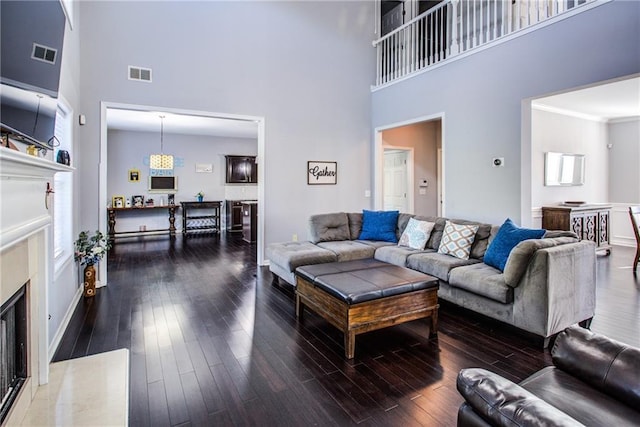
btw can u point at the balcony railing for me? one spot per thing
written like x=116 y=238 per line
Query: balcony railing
x=457 y=26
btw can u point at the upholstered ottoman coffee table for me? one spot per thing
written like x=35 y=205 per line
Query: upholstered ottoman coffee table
x=364 y=295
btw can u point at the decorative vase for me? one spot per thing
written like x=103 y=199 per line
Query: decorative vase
x=200 y=198
x=89 y=280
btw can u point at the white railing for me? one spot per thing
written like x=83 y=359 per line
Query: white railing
x=454 y=27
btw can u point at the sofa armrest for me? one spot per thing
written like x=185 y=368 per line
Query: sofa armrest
x=606 y=364
x=557 y=290
x=501 y=402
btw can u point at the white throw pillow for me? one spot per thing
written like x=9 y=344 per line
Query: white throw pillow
x=457 y=239
x=416 y=234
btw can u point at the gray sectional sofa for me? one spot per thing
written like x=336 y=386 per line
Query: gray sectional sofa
x=547 y=284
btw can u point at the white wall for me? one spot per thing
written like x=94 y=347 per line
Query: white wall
x=481 y=95
x=65 y=284
x=130 y=150
x=424 y=138
x=624 y=158
x=306 y=67
x=624 y=177
x=568 y=134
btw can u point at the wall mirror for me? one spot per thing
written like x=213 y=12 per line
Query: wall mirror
x=563 y=169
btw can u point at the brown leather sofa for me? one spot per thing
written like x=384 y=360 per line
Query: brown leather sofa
x=594 y=381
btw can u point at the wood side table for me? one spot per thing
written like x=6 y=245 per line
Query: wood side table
x=194 y=219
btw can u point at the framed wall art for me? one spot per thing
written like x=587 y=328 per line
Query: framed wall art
x=322 y=173
x=134 y=175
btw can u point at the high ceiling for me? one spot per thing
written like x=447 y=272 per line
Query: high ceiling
x=149 y=121
x=605 y=102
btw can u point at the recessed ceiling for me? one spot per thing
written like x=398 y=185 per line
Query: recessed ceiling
x=609 y=101
x=149 y=121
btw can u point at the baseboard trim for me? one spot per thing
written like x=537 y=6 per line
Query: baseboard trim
x=55 y=342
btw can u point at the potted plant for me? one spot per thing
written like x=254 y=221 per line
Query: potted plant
x=200 y=196
x=89 y=250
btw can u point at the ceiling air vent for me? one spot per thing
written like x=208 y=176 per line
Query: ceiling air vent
x=44 y=53
x=139 y=73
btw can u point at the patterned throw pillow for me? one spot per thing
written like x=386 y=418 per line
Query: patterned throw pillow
x=416 y=234
x=457 y=240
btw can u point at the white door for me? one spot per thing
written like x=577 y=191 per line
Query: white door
x=394 y=187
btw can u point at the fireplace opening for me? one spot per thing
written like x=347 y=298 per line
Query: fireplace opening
x=13 y=349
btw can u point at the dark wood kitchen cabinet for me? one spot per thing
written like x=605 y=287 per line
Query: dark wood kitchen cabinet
x=241 y=170
x=233 y=209
x=249 y=222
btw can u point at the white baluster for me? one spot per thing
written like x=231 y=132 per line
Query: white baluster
x=452 y=28
x=495 y=19
x=481 y=29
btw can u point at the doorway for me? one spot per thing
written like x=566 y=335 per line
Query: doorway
x=104 y=197
x=409 y=160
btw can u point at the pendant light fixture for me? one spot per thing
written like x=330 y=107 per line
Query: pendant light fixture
x=161 y=161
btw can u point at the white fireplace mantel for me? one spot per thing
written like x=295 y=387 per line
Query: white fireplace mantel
x=23 y=186
x=26 y=254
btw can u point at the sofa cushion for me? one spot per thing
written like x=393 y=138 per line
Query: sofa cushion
x=457 y=240
x=329 y=227
x=522 y=253
x=347 y=250
x=396 y=254
x=375 y=243
x=503 y=403
x=609 y=365
x=507 y=238
x=437 y=264
x=416 y=234
x=291 y=255
x=355 y=224
x=482 y=279
x=379 y=225
x=578 y=399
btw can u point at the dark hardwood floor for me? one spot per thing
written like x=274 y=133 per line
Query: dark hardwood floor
x=213 y=342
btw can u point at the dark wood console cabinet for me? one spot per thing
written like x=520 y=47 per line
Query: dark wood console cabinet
x=589 y=222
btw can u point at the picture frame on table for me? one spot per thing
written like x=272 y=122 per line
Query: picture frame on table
x=117 y=202
x=322 y=173
x=137 y=201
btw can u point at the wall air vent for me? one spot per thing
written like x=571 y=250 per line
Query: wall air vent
x=139 y=73
x=44 y=53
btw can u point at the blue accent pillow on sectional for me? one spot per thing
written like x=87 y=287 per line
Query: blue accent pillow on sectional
x=379 y=225
x=507 y=238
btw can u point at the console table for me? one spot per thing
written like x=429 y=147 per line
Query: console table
x=193 y=219
x=589 y=222
x=112 y=212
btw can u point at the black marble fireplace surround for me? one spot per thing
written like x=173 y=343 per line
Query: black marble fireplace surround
x=13 y=349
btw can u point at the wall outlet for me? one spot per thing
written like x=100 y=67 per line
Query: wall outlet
x=367 y=193
x=294 y=237
x=497 y=162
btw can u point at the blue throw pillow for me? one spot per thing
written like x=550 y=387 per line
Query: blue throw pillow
x=507 y=238
x=379 y=225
